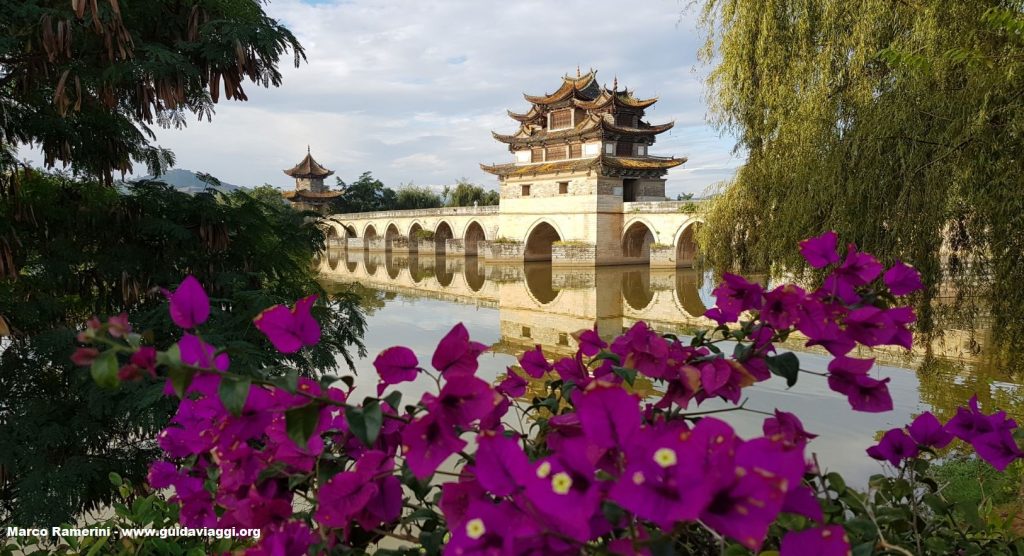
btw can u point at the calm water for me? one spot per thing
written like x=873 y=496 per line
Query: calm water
x=415 y=301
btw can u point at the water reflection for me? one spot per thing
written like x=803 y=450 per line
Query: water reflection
x=514 y=307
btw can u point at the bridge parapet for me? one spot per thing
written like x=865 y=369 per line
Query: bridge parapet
x=418 y=213
x=664 y=207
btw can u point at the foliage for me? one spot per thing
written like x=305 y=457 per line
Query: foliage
x=423 y=235
x=416 y=197
x=366 y=194
x=75 y=71
x=467 y=194
x=73 y=249
x=590 y=470
x=855 y=115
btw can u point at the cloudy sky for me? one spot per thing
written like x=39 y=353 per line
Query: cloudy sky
x=411 y=90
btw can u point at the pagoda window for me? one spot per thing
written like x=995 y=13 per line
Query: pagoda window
x=563 y=188
x=641 y=150
x=624 y=120
x=526 y=190
x=609 y=148
x=557 y=152
x=576 y=150
x=561 y=119
x=624 y=148
x=537 y=154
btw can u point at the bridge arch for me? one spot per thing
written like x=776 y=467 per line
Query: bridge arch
x=389 y=235
x=442 y=233
x=472 y=237
x=637 y=238
x=369 y=232
x=414 y=236
x=539 y=240
x=686 y=244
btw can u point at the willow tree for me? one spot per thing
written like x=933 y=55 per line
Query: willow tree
x=898 y=124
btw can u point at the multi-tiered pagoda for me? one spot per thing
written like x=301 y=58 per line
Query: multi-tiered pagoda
x=310 y=191
x=583 y=127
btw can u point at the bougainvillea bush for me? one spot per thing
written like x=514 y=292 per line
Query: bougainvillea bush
x=595 y=469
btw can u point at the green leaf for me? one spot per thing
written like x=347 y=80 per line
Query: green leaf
x=786 y=365
x=180 y=377
x=629 y=375
x=115 y=479
x=289 y=382
x=394 y=400
x=169 y=358
x=300 y=422
x=365 y=422
x=233 y=392
x=104 y=369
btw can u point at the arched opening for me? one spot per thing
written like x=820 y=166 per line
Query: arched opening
x=539 y=282
x=389 y=236
x=686 y=247
x=637 y=241
x=474 y=235
x=369 y=234
x=441 y=235
x=350 y=231
x=538 y=243
x=636 y=288
x=415 y=232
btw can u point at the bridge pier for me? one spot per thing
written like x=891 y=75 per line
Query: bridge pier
x=375 y=244
x=505 y=251
x=398 y=245
x=454 y=247
x=663 y=256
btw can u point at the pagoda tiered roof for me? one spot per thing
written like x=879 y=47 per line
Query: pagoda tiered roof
x=305 y=194
x=583 y=87
x=308 y=168
x=609 y=165
x=592 y=126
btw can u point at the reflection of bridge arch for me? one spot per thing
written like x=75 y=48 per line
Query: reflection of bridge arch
x=688 y=293
x=474 y=275
x=539 y=283
x=539 y=241
x=444 y=275
x=686 y=244
x=636 y=289
x=473 y=236
x=333 y=257
x=391 y=265
x=637 y=239
x=442 y=233
x=370 y=264
x=350 y=264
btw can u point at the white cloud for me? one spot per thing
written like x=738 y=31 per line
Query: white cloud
x=411 y=90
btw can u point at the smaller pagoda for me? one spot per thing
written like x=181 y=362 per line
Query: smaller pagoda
x=310 y=192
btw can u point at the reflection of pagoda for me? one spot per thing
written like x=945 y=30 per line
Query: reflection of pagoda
x=585 y=127
x=310 y=191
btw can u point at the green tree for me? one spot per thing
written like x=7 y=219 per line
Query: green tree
x=366 y=194
x=416 y=197
x=897 y=124
x=59 y=436
x=466 y=194
x=72 y=71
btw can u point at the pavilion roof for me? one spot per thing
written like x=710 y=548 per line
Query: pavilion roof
x=302 y=194
x=609 y=164
x=308 y=168
x=594 y=125
x=582 y=87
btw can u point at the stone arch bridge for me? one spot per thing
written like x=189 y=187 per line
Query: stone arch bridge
x=659 y=233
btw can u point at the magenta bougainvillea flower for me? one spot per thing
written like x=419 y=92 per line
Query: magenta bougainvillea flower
x=820 y=251
x=534 y=363
x=781 y=306
x=189 y=304
x=456 y=354
x=590 y=342
x=608 y=414
x=829 y=540
x=290 y=329
x=426 y=443
x=902 y=279
x=928 y=431
x=514 y=386
x=894 y=447
x=501 y=465
x=396 y=365
x=787 y=429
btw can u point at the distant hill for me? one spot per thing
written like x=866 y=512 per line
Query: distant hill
x=188 y=182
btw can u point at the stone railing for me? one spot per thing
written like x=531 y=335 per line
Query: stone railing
x=416 y=213
x=664 y=206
